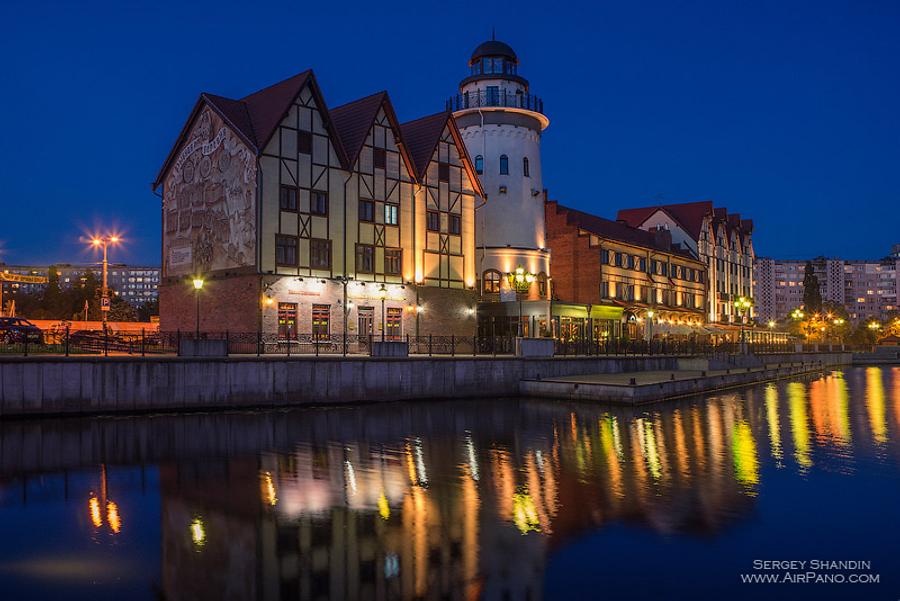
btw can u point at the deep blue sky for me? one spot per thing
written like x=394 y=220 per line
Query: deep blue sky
x=786 y=112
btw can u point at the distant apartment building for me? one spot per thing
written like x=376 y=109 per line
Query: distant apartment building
x=719 y=239
x=867 y=289
x=136 y=284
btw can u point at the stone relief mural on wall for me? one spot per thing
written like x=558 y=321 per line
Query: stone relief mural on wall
x=209 y=208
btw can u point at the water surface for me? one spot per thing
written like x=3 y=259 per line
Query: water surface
x=461 y=500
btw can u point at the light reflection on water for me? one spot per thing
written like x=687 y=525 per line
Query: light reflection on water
x=461 y=500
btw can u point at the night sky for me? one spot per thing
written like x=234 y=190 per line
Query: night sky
x=787 y=112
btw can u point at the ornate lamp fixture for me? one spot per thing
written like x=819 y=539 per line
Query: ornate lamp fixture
x=520 y=280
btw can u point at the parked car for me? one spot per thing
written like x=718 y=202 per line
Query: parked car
x=15 y=330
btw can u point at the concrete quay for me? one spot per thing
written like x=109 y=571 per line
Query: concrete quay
x=639 y=388
x=52 y=386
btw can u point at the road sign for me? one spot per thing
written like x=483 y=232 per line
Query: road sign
x=104 y=304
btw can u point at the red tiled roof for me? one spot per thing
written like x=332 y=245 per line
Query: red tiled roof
x=268 y=106
x=256 y=117
x=234 y=112
x=422 y=136
x=616 y=230
x=354 y=120
x=689 y=215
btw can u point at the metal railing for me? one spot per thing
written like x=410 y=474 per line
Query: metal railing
x=495 y=98
x=67 y=342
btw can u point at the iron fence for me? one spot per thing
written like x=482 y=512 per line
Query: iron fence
x=143 y=343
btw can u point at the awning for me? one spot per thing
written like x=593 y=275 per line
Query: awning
x=606 y=312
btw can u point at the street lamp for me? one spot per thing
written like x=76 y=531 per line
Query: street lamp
x=742 y=304
x=382 y=294
x=650 y=315
x=198 y=285
x=104 y=242
x=520 y=281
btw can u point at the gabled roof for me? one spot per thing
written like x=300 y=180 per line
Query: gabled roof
x=255 y=117
x=689 y=215
x=269 y=106
x=354 y=120
x=616 y=230
x=422 y=136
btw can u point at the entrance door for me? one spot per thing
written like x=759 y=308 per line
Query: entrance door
x=366 y=322
x=394 y=318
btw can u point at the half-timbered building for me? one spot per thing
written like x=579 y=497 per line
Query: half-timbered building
x=305 y=220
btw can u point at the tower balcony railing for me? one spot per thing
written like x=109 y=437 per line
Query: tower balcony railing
x=495 y=98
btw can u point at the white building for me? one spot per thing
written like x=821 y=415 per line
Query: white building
x=501 y=122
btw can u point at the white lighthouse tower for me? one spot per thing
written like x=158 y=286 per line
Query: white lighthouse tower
x=501 y=122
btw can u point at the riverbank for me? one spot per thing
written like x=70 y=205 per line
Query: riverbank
x=649 y=387
x=49 y=386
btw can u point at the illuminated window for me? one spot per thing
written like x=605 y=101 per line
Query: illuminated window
x=321 y=321
x=287 y=321
x=391 y=214
x=491 y=281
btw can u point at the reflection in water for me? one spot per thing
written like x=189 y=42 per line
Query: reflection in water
x=468 y=500
x=796 y=392
x=875 y=403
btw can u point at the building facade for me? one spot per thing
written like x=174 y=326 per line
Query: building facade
x=501 y=122
x=136 y=284
x=721 y=240
x=866 y=289
x=305 y=220
x=635 y=283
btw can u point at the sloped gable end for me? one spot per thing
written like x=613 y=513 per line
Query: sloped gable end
x=209 y=191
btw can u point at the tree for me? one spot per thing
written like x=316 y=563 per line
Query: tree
x=121 y=310
x=812 y=294
x=148 y=309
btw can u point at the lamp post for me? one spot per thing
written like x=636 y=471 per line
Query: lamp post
x=520 y=281
x=198 y=286
x=104 y=242
x=742 y=305
x=382 y=294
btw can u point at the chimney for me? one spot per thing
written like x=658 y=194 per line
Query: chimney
x=662 y=237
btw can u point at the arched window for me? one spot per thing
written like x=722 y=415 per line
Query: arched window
x=491 y=282
x=525 y=170
x=504 y=164
x=479 y=164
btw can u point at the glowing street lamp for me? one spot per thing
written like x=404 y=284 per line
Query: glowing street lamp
x=198 y=286
x=104 y=242
x=382 y=294
x=742 y=304
x=520 y=281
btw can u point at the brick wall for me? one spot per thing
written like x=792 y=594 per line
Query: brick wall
x=227 y=304
x=447 y=311
x=576 y=266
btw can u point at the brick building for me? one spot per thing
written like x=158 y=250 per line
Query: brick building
x=721 y=240
x=624 y=276
x=302 y=219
